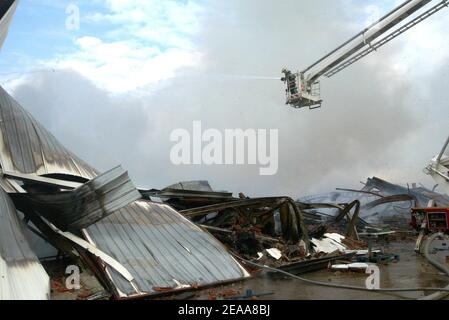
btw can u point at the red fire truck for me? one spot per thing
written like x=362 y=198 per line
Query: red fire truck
x=431 y=219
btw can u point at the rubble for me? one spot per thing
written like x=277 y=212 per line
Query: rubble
x=272 y=231
x=381 y=203
x=330 y=243
x=137 y=244
x=132 y=245
x=188 y=195
x=22 y=276
x=147 y=243
x=82 y=207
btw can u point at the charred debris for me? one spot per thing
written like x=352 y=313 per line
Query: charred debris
x=56 y=210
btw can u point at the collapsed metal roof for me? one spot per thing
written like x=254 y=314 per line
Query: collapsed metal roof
x=151 y=245
x=161 y=249
x=87 y=204
x=22 y=277
x=423 y=195
x=200 y=185
x=138 y=246
x=379 y=199
x=27 y=147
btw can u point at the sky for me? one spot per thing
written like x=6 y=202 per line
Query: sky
x=114 y=89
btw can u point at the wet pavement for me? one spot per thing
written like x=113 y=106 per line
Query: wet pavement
x=412 y=270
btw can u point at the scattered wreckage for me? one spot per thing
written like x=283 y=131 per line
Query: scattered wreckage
x=135 y=247
x=381 y=202
x=52 y=201
x=275 y=231
x=144 y=243
x=135 y=242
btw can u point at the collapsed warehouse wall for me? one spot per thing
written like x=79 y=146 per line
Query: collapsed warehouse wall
x=135 y=247
x=27 y=147
x=162 y=250
x=22 y=276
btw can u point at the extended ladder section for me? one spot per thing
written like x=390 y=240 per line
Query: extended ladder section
x=302 y=86
x=393 y=35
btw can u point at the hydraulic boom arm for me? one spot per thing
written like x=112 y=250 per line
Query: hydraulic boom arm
x=303 y=88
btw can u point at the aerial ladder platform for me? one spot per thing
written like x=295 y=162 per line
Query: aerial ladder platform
x=303 y=88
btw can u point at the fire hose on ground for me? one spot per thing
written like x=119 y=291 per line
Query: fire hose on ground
x=438 y=292
x=436 y=264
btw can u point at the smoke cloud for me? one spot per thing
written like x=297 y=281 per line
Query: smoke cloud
x=378 y=117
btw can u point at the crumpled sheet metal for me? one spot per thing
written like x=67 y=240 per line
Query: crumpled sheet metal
x=422 y=195
x=89 y=203
x=26 y=280
x=22 y=277
x=192 y=186
x=13 y=244
x=377 y=199
x=27 y=147
x=161 y=249
x=330 y=243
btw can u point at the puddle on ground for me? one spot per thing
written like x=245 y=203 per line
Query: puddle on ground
x=411 y=271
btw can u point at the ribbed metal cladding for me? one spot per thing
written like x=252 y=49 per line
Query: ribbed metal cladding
x=27 y=147
x=13 y=245
x=22 y=277
x=89 y=203
x=159 y=246
x=162 y=249
x=192 y=185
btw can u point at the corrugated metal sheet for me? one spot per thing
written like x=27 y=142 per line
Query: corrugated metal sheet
x=25 y=280
x=380 y=211
x=191 y=185
x=158 y=246
x=421 y=194
x=22 y=277
x=162 y=249
x=13 y=246
x=89 y=203
x=7 y=8
x=27 y=147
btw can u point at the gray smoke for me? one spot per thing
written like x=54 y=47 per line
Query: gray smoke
x=372 y=122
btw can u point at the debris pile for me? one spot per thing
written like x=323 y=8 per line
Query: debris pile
x=146 y=243
x=257 y=228
x=135 y=242
x=132 y=245
x=381 y=203
x=274 y=232
x=21 y=273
